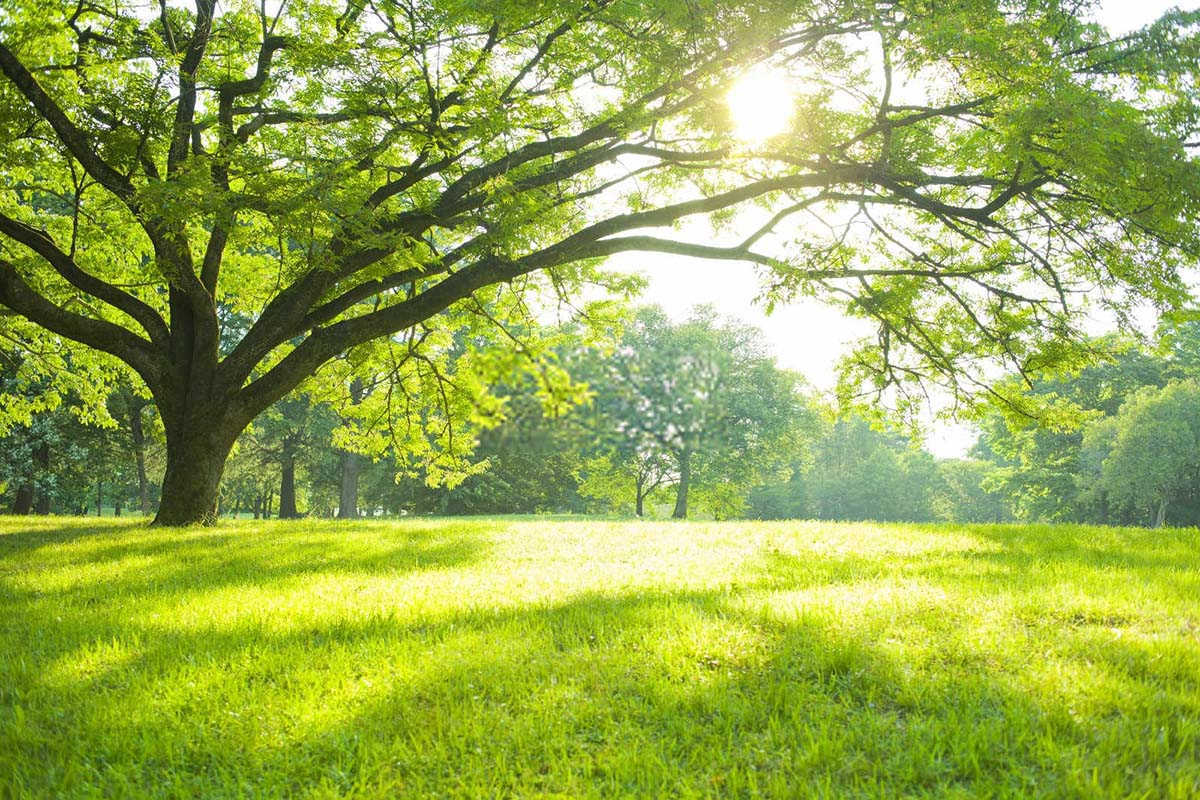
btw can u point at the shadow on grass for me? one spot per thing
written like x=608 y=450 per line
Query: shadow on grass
x=613 y=695
x=104 y=563
x=25 y=534
x=1008 y=556
x=649 y=692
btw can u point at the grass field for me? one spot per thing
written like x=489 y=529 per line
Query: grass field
x=575 y=658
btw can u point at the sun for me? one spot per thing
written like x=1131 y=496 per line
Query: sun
x=761 y=103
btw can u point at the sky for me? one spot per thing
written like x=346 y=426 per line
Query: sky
x=807 y=336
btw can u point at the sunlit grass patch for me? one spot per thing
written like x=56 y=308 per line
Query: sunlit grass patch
x=497 y=657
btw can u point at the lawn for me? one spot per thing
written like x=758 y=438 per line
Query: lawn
x=575 y=658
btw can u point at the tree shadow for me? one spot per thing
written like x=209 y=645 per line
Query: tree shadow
x=644 y=691
x=1094 y=546
x=808 y=710
x=165 y=562
x=25 y=534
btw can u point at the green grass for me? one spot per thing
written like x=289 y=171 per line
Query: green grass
x=510 y=657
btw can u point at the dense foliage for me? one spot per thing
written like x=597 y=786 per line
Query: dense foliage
x=226 y=203
x=697 y=406
x=1128 y=453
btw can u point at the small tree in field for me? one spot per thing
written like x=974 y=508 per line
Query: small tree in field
x=626 y=472
x=286 y=436
x=697 y=404
x=392 y=181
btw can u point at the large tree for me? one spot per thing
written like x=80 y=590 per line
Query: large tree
x=962 y=172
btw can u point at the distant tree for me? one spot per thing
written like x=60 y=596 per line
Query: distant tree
x=964 y=492
x=251 y=485
x=789 y=500
x=1039 y=466
x=532 y=459
x=860 y=472
x=293 y=432
x=131 y=411
x=107 y=465
x=1179 y=347
x=350 y=463
x=626 y=473
x=846 y=467
x=1153 y=444
x=920 y=481
x=26 y=465
x=65 y=445
x=793 y=498
x=701 y=397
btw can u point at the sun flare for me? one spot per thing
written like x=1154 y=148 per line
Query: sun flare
x=761 y=103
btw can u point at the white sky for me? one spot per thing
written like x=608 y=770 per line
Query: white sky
x=808 y=336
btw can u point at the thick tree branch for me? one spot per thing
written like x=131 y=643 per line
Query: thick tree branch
x=138 y=353
x=75 y=140
x=64 y=265
x=185 y=108
x=270 y=45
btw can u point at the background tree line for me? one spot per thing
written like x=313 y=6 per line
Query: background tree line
x=677 y=418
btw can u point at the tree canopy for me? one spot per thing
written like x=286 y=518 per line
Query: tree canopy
x=395 y=187
x=1149 y=453
x=697 y=406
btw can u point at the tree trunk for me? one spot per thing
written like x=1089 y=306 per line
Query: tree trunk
x=639 y=510
x=681 y=491
x=116 y=508
x=348 y=497
x=23 y=501
x=351 y=466
x=99 y=498
x=193 y=477
x=41 y=460
x=138 y=435
x=1161 y=515
x=287 y=488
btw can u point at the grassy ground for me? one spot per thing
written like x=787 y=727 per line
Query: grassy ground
x=496 y=658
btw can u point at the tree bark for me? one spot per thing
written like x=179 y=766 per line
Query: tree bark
x=41 y=461
x=351 y=466
x=138 y=436
x=348 y=496
x=681 y=491
x=195 y=462
x=639 y=510
x=1160 y=515
x=23 y=501
x=287 y=488
x=99 y=498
